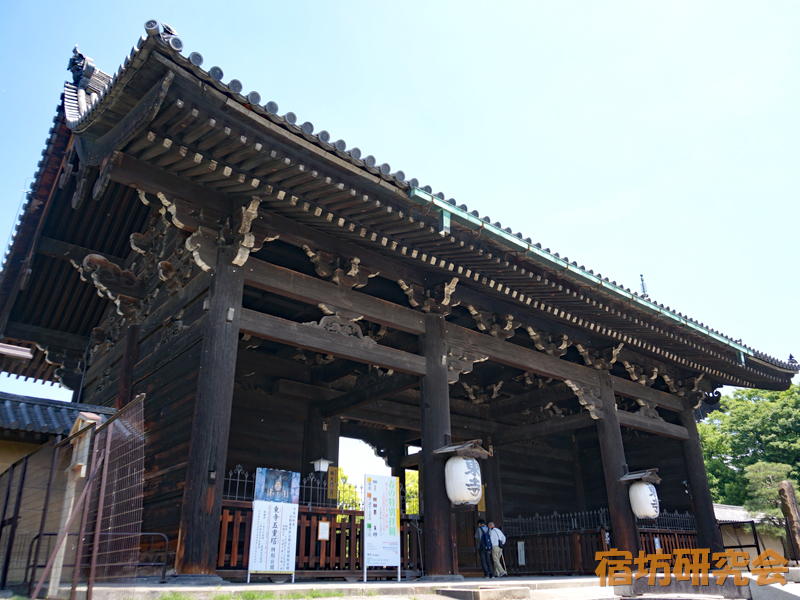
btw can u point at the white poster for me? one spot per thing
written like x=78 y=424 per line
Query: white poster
x=381 y=521
x=273 y=539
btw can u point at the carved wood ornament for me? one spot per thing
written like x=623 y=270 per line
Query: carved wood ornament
x=439 y=300
x=589 y=397
x=347 y=272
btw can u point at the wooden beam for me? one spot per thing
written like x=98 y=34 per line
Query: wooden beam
x=46 y=337
x=17 y=352
x=522 y=433
x=634 y=421
x=299 y=335
x=410 y=460
x=290 y=284
x=540 y=397
x=149 y=178
x=64 y=251
x=369 y=393
x=514 y=355
x=637 y=391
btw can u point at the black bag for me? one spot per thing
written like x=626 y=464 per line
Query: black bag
x=486 y=541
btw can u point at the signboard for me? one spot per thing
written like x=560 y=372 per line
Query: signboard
x=273 y=538
x=381 y=522
x=333 y=483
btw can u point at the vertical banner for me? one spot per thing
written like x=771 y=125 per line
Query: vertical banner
x=381 y=521
x=273 y=537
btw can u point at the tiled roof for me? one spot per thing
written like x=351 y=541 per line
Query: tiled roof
x=99 y=87
x=727 y=513
x=37 y=415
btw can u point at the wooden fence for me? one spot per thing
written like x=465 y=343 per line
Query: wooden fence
x=574 y=552
x=340 y=556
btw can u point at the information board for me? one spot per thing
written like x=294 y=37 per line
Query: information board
x=273 y=539
x=381 y=521
x=273 y=533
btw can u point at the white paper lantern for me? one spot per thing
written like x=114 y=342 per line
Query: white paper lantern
x=644 y=500
x=462 y=480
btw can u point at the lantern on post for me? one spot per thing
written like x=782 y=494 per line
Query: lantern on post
x=462 y=473
x=321 y=465
x=642 y=493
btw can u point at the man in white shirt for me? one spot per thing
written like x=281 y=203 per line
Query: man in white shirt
x=498 y=541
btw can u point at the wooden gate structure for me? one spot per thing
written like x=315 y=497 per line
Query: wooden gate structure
x=271 y=289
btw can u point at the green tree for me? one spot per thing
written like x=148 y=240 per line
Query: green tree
x=762 y=493
x=348 y=493
x=749 y=427
x=412 y=492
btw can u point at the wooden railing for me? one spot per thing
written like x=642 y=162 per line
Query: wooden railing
x=339 y=556
x=555 y=553
x=669 y=540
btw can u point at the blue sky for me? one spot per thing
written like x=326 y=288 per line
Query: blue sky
x=634 y=137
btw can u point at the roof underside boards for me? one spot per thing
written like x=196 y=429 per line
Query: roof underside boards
x=236 y=150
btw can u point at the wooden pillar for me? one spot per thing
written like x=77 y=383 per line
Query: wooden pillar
x=321 y=439
x=494 y=493
x=708 y=533
x=125 y=389
x=435 y=415
x=577 y=474
x=791 y=514
x=198 y=537
x=612 y=452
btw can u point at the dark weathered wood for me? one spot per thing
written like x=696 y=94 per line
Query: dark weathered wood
x=71 y=252
x=577 y=474
x=612 y=452
x=791 y=513
x=435 y=417
x=125 y=387
x=321 y=439
x=368 y=393
x=514 y=355
x=521 y=433
x=275 y=279
x=149 y=178
x=313 y=338
x=634 y=421
x=708 y=534
x=92 y=151
x=534 y=398
x=46 y=337
x=199 y=527
x=493 y=489
x=637 y=391
x=410 y=460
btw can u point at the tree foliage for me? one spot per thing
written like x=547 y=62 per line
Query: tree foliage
x=348 y=493
x=752 y=426
x=762 y=492
x=412 y=492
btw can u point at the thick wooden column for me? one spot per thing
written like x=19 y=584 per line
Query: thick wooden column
x=321 y=439
x=494 y=494
x=577 y=474
x=435 y=416
x=198 y=538
x=708 y=533
x=612 y=452
x=125 y=386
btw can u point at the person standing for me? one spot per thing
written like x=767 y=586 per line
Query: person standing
x=498 y=540
x=483 y=536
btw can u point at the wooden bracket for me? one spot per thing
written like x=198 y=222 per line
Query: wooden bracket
x=603 y=360
x=459 y=360
x=648 y=409
x=69 y=362
x=640 y=374
x=342 y=322
x=589 y=397
x=439 y=300
x=246 y=241
x=499 y=326
x=347 y=272
x=554 y=345
x=123 y=287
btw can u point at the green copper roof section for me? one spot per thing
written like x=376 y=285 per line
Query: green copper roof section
x=550 y=261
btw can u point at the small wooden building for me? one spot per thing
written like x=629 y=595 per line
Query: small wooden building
x=271 y=289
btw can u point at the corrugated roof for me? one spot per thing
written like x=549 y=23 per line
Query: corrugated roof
x=37 y=415
x=727 y=513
